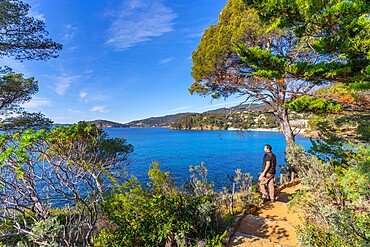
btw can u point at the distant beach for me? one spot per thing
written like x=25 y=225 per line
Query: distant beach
x=258 y=129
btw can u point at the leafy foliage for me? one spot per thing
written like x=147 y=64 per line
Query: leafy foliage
x=337 y=198
x=312 y=104
x=14 y=89
x=161 y=182
x=236 y=23
x=69 y=167
x=334 y=133
x=158 y=215
x=256 y=61
x=334 y=39
x=200 y=186
x=23 y=36
x=45 y=231
x=336 y=34
x=27 y=120
x=163 y=213
x=319 y=50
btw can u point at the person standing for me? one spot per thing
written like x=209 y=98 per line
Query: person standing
x=268 y=174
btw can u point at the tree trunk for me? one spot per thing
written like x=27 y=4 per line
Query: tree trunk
x=98 y=183
x=283 y=119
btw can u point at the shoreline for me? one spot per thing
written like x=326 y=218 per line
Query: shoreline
x=257 y=129
x=302 y=131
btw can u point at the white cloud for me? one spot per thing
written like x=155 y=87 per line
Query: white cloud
x=35 y=14
x=99 y=108
x=36 y=102
x=138 y=21
x=69 y=32
x=166 y=60
x=83 y=94
x=197 y=34
x=64 y=81
x=221 y=105
x=181 y=108
x=88 y=71
x=74 y=111
x=16 y=65
x=72 y=48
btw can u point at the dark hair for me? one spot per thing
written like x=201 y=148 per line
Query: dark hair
x=268 y=147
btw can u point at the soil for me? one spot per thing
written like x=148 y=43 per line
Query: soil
x=272 y=225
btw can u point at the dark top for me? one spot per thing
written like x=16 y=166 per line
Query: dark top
x=272 y=158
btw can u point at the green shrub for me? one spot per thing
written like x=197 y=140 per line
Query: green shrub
x=336 y=198
x=150 y=217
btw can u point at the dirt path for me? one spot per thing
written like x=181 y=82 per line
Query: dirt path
x=272 y=225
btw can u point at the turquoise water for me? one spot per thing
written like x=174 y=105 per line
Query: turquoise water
x=221 y=151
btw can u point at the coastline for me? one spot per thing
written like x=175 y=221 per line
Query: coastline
x=257 y=129
x=302 y=132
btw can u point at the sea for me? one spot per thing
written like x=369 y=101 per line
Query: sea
x=222 y=151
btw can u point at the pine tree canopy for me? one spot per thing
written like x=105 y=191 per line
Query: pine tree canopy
x=22 y=36
x=263 y=48
x=337 y=33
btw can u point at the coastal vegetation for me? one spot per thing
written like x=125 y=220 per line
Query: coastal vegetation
x=305 y=56
x=286 y=62
x=241 y=117
x=245 y=120
x=165 y=213
x=53 y=182
x=236 y=56
x=164 y=121
x=68 y=186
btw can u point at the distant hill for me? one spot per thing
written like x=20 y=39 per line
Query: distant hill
x=243 y=107
x=108 y=124
x=164 y=121
x=167 y=120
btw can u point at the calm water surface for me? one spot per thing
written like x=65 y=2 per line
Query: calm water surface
x=221 y=151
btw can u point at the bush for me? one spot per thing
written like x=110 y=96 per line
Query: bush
x=66 y=168
x=153 y=216
x=336 y=199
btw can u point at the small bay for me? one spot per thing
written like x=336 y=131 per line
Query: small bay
x=222 y=151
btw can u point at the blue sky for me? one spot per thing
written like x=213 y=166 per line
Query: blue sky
x=122 y=60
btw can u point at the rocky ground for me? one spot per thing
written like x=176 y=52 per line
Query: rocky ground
x=271 y=226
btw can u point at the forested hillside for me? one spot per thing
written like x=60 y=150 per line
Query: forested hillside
x=164 y=121
x=239 y=117
x=248 y=119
